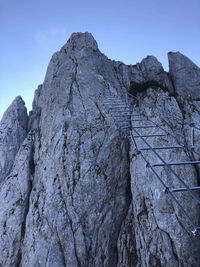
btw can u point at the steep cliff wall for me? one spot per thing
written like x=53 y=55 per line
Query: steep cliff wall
x=76 y=193
x=162 y=231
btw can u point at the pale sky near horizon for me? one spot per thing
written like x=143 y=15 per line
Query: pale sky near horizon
x=128 y=31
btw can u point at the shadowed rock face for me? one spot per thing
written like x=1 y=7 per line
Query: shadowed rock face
x=76 y=194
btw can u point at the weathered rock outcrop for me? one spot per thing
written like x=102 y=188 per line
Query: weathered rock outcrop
x=14 y=195
x=185 y=75
x=13 y=130
x=76 y=193
x=161 y=228
x=81 y=187
x=151 y=69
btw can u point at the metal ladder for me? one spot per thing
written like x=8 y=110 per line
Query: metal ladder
x=121 y=114
x=136 y=134
x=120 y=111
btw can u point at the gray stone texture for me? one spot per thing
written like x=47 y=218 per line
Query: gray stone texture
x=74 y=192
x=13 y=130
x=185 y=75
x=162 y=231
x=81 y=187
x=14 y=196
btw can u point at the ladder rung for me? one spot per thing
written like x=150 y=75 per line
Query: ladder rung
x=120 y=103
x=139 y=120
x=181 y=189
x=120 y=112
x=124 y=121
x=175 y=163
x=160 y=147
x=148 y=126
x=117 y=103
x=150 y=135
x=114 y=104
x=119 y=116
x=114 y=101
x=120 y=108
x=112 y=97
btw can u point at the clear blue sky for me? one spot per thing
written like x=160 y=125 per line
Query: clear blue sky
x=129 y=30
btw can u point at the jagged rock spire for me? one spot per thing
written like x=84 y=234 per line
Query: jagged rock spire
x=79 y=40
x=74 y=178
x=13 y=130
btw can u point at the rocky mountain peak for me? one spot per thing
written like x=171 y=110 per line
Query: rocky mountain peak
x=79 y=40
x=76 y=177
x=16 y=109
x=13 y=130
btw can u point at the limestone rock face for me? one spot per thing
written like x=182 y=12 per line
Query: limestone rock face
x=13 y=130
x=73 y=190
x=152 y=69
x=14 y=195
x=81 y=190
x=161 y=228
x=185 y=75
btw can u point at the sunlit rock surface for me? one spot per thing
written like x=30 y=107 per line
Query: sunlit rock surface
x=162 y=231
x=74 y=190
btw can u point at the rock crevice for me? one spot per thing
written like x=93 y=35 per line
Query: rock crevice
x=73 y=191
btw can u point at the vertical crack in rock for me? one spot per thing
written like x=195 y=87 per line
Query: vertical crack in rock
x=78 y=210
x=14 y=198
x=81 y=177
x=161 y=229
x=127 y=252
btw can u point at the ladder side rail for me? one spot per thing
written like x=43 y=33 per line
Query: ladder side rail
x=174 y=173
x=166 y=188
x=170 y=115
x=172 y=135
